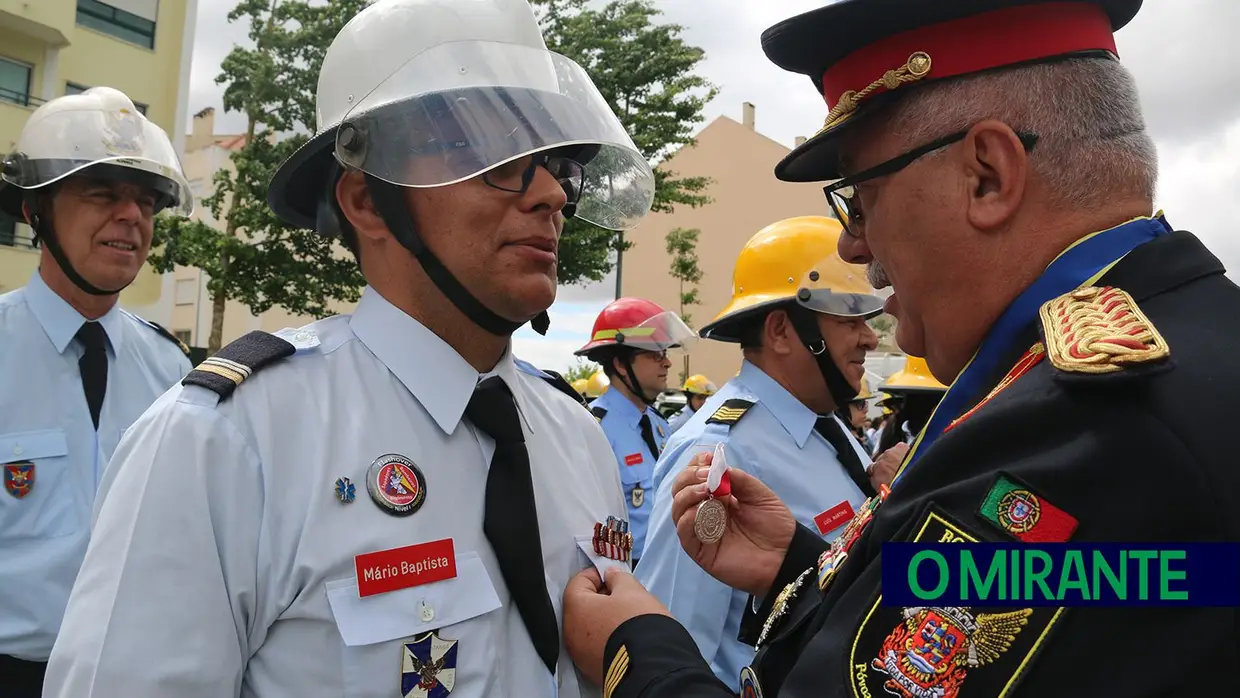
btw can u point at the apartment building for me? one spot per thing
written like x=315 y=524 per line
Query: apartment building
x=50 y=48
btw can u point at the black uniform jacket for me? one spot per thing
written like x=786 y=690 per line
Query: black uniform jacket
x=1143 y=454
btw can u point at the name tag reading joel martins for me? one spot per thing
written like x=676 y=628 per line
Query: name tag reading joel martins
x=410 y=566
x=1061 y=574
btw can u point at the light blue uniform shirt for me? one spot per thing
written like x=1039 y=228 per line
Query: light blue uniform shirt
x=680 y=419
x=775 y=441
x=44 y=420
x=622 y=426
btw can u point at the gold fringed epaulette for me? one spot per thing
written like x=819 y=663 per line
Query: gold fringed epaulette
x=1100 y=330
x=222 y=372
x=730 y=412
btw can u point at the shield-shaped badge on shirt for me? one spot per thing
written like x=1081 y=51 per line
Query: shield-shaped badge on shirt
x=19 y=478
x=428 y=667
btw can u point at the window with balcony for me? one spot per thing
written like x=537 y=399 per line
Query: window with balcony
x=72 y=88
x=127 y=20
x=15 y=82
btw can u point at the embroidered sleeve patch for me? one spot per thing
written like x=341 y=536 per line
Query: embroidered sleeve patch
x=1016 y=510
x=730 y=412
x=615 y=673
x=1099 y=330
x=930 y=651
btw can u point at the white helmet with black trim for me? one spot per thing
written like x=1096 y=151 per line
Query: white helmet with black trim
x=428 y=93
x=99 y=134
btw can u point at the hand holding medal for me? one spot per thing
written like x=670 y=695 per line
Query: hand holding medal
x=729 y=523
x=712 y=515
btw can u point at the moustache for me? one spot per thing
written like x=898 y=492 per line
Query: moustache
x=876 y=275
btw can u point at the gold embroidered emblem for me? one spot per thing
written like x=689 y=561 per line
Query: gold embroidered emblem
x=915 y=68
x=1099 y=330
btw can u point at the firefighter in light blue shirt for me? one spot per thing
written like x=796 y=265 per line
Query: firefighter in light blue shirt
x=800 y=314
x=631 y=340
x=696 y=389
x=88 y=174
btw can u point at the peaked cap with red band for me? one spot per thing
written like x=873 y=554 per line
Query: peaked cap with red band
x=864 y=53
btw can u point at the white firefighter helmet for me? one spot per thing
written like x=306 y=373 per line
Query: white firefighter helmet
x=99 y=129
x=426 y=93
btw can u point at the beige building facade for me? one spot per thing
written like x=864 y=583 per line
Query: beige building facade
x=746 y=197
x=50 y=48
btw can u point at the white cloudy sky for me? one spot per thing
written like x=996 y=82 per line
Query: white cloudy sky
x=1180 y=51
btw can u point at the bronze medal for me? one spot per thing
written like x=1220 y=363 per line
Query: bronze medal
x=711 y=521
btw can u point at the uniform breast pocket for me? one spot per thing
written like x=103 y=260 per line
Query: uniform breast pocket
x=637 y=476
x=39 y=498
x=421 y=641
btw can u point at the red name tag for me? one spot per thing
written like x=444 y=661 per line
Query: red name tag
x=633 y=459
x=410 y=566
x=834 y=517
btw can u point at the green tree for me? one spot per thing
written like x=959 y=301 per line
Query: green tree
x=682 y=246
x=645 y=71
x=256 y=259
x=581 y=369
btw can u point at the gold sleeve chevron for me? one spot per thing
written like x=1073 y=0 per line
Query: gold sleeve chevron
x=615 y=673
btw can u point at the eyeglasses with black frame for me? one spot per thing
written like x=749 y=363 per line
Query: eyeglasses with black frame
x=842 y=193
x=516 y=175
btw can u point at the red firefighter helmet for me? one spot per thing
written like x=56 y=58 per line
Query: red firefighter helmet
x=639 y=324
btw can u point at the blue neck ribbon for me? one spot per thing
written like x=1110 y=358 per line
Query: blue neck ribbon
x=1080 y=265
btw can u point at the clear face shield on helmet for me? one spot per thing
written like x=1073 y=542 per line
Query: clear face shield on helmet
x=835 y=287
x=66 y=141
x=664 y=333
x=468 y=108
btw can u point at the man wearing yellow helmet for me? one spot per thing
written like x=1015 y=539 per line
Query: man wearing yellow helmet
x=799 y=313
x=916 y=393
x=580 y=386
x=596 y=385
x=696 y=389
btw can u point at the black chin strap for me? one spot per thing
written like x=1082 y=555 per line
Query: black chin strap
x=46 y=235
x=391 y=206
x=805 y=322
x=630 y=380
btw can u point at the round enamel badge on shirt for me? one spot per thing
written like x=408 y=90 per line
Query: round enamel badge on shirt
x=396 y=484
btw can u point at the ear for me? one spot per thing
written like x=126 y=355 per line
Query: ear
x=778 y=333
x=359 y=208
x=998 y=169
x=618 y=366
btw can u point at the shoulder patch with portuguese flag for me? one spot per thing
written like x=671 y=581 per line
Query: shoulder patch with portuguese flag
x=1014 y=508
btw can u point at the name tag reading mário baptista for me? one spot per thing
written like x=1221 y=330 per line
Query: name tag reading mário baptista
x=400 y=568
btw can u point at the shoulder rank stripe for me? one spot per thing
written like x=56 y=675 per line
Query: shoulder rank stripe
x=226 y=370
x=1099 y=330
x=615 y=673
x=730 y=412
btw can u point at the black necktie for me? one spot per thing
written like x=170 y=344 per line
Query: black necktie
x=93 y=366
x=510 y=518
x=834 y=434
x=648 y=436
